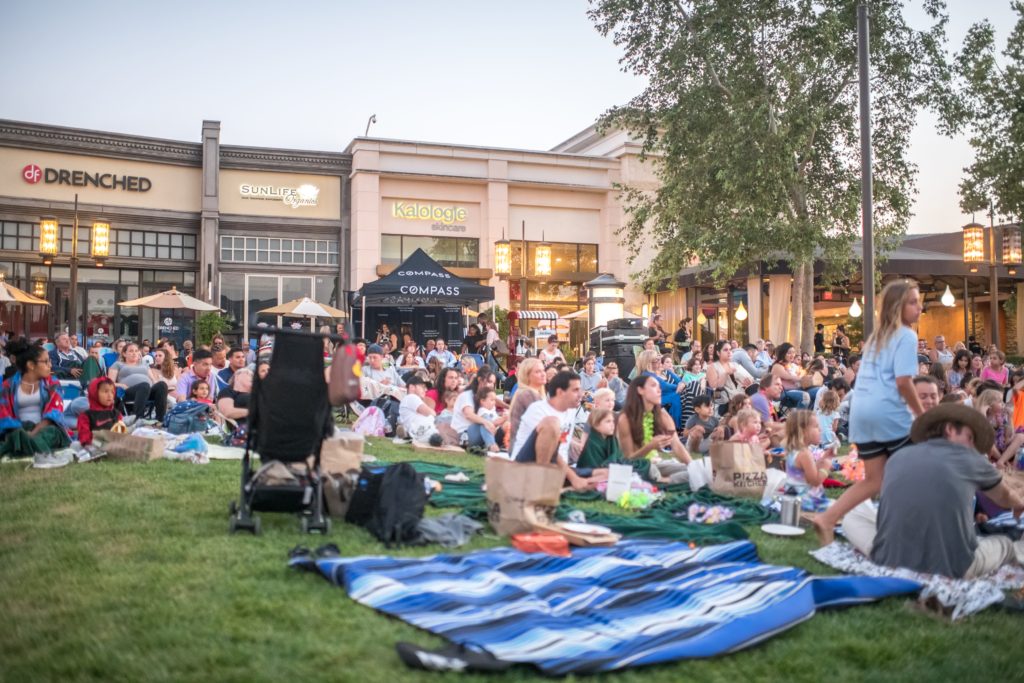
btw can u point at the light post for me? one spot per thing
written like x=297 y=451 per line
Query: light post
x=49 y=248
x=974 y=253
x=503 y=263
x=605 y=299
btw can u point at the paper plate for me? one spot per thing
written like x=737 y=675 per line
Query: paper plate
x=579 y=528
x=783 y=530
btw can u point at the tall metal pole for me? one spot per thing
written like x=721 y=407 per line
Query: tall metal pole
x=967 y=303
x=522 y=283
x=866 y=207
x=73 y=293
x=993 y=276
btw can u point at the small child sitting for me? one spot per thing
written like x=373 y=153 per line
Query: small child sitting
x=748 y=427
x=602 y=448
x=200 y=392
x=100 y=415
x=827 y=414
x=488 y=434
x=806 y=468
x=445 y=416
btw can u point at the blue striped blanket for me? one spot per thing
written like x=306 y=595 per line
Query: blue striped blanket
x=602 y=609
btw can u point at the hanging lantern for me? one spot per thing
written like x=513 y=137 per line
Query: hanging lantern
x=542 y=258
x=49 y=230
x=39 y=284
x=974 y=243
x=948 y=299
x=741 y=313
x=502 y=256
x=99 y=242
x=1011 y=245
x=855 y=309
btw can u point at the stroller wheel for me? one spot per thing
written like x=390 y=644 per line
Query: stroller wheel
x=233 y=508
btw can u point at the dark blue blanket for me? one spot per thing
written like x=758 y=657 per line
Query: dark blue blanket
x=638 y=603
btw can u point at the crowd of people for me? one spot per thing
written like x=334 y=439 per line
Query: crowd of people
x=935 y=426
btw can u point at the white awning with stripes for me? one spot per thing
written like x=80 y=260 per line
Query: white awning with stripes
x=537 y=315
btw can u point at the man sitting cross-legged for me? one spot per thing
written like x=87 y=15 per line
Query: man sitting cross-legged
x=925 y=520
x=545 y=429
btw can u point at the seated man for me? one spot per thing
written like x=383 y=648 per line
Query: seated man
x=546 y=428
x=442 y=353
x=925 y=520
x=65 y=361
x=769 y=391
x=414 y=416
x=703 y=427
x=927 y=389
x=378 y=380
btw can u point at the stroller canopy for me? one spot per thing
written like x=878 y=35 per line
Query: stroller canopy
x=422 y=281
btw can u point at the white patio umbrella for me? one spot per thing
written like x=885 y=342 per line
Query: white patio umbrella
x=172 y=298
x=305 y=307
x=11 y=294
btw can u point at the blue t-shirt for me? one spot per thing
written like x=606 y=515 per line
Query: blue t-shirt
x=877 y=411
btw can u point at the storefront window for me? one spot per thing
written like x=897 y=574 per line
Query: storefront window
x=565 y=257
x=232 y=299
x=555 y=292
x=234 y=249
x=451 y=252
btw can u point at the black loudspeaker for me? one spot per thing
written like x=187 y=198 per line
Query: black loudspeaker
x=621 y=355
x=626 y=324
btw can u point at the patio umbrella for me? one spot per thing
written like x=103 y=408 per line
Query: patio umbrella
x=304 y=306
x=172 y=298
x=11 y=294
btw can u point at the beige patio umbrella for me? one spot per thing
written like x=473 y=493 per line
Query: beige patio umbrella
x=305 y=307
x=172 y=298
x=11 y=294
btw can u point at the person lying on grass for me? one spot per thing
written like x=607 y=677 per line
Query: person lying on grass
x=925 y=519
x=546 y=428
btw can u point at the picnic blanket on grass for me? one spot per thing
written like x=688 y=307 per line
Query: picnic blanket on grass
x=962 y=597
x=666 y=519
x=602 y=609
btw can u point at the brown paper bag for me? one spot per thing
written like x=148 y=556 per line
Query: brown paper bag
x=738 y=469
x=129 y=447
x=338 y=456
x=521 y=495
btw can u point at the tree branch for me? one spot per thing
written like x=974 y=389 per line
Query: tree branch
x=688 y=24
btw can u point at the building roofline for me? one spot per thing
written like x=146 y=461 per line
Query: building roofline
x=479 y=148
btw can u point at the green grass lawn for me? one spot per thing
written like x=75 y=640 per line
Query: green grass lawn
x=125 y=572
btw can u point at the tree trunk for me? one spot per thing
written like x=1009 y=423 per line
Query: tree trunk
x=796 y=305
x=807 y=324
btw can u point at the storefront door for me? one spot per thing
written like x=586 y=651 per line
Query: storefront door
x=99 y=313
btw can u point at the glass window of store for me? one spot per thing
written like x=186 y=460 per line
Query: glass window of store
x=244 y=295
x=450 y=252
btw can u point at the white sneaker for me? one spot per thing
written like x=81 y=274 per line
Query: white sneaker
x=49 y=461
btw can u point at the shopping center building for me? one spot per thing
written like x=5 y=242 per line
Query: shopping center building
x=250 y=227
x=244 y=227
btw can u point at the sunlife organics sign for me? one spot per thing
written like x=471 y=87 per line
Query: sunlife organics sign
x=303 y=195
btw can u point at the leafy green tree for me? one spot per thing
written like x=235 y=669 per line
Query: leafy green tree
x=987 y=99
x=750 y=119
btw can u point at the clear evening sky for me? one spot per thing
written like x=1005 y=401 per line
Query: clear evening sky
x=305 y=74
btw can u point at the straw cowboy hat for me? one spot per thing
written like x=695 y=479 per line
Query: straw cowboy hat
x=984 y=435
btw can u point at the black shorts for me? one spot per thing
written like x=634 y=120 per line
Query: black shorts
x=873 y=449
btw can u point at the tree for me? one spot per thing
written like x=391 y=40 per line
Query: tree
x=987 y=99
x=750 y=119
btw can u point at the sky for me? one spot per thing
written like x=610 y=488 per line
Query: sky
x=308 y=74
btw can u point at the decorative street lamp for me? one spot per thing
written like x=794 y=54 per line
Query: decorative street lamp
x=49 y=241
x=502 y=256
x=605 y=298
x=503 y=262
x=974 y=253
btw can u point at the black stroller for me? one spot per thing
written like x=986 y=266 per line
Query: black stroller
x=289 y=418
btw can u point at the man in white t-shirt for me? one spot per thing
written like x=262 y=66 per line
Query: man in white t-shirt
x=414 y=415
x=463 y=413
x=545 y=429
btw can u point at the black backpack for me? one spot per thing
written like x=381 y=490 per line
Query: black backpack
x=389 y=502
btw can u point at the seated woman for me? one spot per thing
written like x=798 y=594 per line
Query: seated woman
x=648 y=363
x=31 y=409
x=133 y=376
x=784 y=369
x=590 y=378
x=233 y=402
x=645 y=430
x=531 y=387
x=409 y=362
x=725 y=378
x=165 y=370
x=616 y=383
x=668 y=369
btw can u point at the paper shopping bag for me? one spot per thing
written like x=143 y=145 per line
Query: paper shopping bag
x=521 y=495
x=129 y=447
x=738 y=469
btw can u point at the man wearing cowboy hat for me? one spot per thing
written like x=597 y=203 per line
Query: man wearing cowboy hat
x=925 y=520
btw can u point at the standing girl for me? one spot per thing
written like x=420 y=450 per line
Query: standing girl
x=884 y=402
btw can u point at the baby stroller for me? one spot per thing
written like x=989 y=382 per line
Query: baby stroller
x=289 y=417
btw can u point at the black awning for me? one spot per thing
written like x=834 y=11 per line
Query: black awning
x=422 y=281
